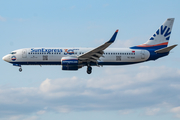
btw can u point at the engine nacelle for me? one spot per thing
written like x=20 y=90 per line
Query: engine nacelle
x=69 y=63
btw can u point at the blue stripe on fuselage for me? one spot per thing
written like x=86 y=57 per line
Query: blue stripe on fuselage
x=59 y=63
x=153 y=54
x=148 y=48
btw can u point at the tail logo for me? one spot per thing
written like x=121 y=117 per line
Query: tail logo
x=162 y=31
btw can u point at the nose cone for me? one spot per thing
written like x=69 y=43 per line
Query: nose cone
x=5 y=58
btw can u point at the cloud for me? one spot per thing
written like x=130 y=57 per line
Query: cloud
x=15 y=117
x=176 y=110
x=2 y=19
x=40 y=112
x=121 y=89
x=31 y=118
x=21 y=117
x=176 y=86
x=153 y=111
x=125 y=112
x=62 y=109
x=53 y=85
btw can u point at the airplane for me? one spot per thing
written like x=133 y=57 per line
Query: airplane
x=76 y=58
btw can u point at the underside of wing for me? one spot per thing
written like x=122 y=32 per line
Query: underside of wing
x=95 y=54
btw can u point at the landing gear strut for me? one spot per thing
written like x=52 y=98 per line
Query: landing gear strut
x=89 y=69
x=20 y=69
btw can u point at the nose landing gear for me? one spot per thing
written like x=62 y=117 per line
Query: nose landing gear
x=20 y=69
x=18 y=65
x=89 y=69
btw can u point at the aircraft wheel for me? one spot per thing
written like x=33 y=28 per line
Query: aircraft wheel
x=89 y=70
x=20 y=69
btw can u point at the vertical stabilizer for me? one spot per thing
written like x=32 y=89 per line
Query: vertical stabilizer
x=161 y=37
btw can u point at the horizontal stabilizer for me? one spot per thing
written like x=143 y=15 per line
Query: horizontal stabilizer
x=166 y=49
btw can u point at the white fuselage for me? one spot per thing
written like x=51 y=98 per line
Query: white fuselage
x=53 y=56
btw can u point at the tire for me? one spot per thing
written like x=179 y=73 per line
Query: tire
x=89 y=68
x=89 y=72
x=20 y=69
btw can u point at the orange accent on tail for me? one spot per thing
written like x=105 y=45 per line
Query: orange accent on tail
x=146 y=45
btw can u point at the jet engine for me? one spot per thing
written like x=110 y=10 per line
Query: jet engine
x=69 y=63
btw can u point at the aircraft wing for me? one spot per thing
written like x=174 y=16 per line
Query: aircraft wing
x=96 y=53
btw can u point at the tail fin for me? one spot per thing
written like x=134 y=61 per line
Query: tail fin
x=161 y=37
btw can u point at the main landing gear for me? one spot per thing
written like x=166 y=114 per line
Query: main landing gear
x=20 y=69
x=89 y=69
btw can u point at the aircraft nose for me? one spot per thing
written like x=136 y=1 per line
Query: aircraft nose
x=5 y=58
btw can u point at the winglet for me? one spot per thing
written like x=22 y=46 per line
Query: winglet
x=113 y=37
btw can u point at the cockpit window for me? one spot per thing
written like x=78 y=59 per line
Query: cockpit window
x=13 y=52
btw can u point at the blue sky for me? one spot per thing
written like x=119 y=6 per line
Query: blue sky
x=147 y=91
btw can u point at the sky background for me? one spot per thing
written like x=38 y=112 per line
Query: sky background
x=147 y=91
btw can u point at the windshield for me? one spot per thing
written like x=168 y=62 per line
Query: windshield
x=13 y=53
